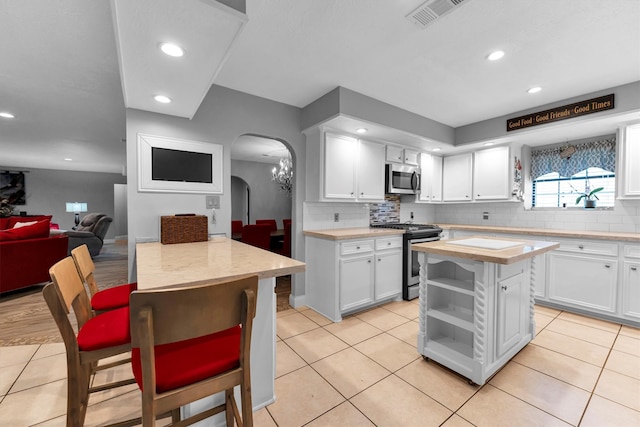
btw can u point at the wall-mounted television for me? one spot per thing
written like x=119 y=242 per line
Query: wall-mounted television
x=178 y=166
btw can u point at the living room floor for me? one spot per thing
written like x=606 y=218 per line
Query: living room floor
x=365 y=371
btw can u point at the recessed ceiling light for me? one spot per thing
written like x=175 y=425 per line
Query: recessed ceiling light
x=535 y=89
x=6 y=115
x=172 y=49
x=494 y=56
x=361 y=130
x=162 y=99
x=67 y=159
x=436 y=149
x=488 y=144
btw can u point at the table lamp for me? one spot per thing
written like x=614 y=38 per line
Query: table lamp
x=76 y=208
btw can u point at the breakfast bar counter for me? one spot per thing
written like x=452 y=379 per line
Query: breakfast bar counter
x=218 y=260
x=476 y=302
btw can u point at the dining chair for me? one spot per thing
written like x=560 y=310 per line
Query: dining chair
x=98 y=337
x=286 y=245
x=236 y=226
x=193 y=342
x=101 y=300
x=257 y=235
x=270 y=222
x=286 y=221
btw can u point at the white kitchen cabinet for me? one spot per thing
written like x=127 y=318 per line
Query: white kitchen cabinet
x=356 y=277
x=353 y=274
x=631 y=282
x=353 y=169
x=629 y=156
x=397 y=154
x=456 y=178
x=491 y=174
x=583 y=274
x=512 y=312
x=430 y=178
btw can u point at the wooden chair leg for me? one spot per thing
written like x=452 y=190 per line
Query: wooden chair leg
x=229 y=407
x=247 y=404
x=175 y=415
x=77 y=394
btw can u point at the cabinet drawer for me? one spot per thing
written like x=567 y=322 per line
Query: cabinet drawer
x=356 y=247
x=388 y=243
x=509 y=270
x=587 y=247
x=631 y=251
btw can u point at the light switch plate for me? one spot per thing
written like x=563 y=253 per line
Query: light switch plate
x=213 y=202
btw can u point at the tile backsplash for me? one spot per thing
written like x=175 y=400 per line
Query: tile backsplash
x=389 y=211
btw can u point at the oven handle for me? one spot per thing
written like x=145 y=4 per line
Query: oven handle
x=424 y=239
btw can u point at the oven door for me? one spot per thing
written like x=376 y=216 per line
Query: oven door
x=413 y=267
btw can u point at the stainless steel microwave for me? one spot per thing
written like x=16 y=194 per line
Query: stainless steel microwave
x=402 y=179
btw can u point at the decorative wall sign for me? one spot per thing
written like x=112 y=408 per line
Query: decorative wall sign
x=570 y=111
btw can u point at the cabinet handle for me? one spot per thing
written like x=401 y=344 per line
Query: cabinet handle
x=369 y=261
x=357 y=247
x=504 y=288
x=477 y=195
x=379 y=259
x=580 y=246
x=607 y=266
x=362 y=193
x=633 y=268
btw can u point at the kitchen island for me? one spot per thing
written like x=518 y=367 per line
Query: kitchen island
x=218 y=260
x=476 y=302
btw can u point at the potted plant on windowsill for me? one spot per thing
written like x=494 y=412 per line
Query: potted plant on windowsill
x=589 y=198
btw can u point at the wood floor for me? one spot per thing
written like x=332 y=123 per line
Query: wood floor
x=25 y=317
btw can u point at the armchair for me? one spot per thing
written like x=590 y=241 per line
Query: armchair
x=90 y=232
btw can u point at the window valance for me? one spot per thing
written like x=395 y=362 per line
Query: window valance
x=598 y=154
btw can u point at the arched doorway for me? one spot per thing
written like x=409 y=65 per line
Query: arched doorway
x=240 y=196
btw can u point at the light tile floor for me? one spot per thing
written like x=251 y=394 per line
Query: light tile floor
x=365 y=371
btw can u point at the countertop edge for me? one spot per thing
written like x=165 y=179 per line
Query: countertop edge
x=352 y=233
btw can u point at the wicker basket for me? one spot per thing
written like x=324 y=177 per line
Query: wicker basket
x=183 y=229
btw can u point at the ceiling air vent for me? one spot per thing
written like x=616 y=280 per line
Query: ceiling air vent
x=431 y=10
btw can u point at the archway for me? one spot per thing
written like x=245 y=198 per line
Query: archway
x=240 y=197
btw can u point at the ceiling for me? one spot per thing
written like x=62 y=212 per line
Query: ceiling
x=64 y=63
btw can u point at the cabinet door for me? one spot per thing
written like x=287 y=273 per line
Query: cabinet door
x=411 y=157
x=370 y=171
x=340 y=154
x=388 y=274
x=436 y=179
x=356 y=282
x=426 y=168
x=631 y=159
x=631 y=290
x=584 y=281
x=456 y=178
x=491 y=174
x=512 y=308
x=394 y=154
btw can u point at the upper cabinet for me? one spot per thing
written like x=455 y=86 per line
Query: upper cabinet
x=397 y=154
x=629 y=155
x=456 y=178
x=353 y=169
x=491 y=174
x=430 y=178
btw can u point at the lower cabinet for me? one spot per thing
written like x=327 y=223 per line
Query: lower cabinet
x=512 y=313
x=583 y=276
x=351 y=275
x=631 y=282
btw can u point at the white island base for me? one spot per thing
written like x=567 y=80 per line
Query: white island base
x=476 y=305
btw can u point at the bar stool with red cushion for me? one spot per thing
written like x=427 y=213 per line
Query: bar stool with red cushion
x=192 y=342
x=236 y=226
x=257 y=235
x=273 y=225
x=98 y=337
x=101 y=300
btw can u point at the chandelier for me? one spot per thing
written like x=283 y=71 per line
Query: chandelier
x=283 y=176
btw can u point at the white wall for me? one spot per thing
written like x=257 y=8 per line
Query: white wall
x=223 y=116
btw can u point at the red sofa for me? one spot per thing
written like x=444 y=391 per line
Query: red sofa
x=25 y=261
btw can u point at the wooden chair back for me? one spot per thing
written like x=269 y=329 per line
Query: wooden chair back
x=85 y=267
x=257 y=235
x=71 y=289
x=168 y=315
x=270 y=222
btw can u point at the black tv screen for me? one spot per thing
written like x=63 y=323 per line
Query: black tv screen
x=181 y=166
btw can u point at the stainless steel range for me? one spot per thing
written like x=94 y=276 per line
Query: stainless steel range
x=413 y=233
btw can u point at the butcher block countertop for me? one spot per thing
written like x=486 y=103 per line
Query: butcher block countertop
x=549 y=232
x=353 y=233
x=216 y=260
x=521 y=250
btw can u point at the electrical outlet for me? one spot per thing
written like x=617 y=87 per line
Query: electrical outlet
x=485 y=215
x=411 y=215
x=336 y=217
